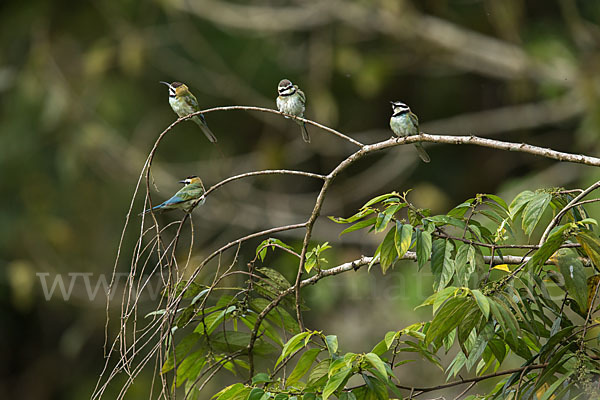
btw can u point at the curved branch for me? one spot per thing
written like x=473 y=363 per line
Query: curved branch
x=272 y=111
x=422 y=137
x=571 y=204
x=500 y=145
x=328 y=180
x=264 y=172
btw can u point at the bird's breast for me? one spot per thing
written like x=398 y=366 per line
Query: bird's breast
x=402 y=126
x=290 y=105
x=180 y=106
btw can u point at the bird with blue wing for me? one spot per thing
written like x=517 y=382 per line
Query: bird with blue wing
x=185 y=199
x=184 y=103
x=405 y=123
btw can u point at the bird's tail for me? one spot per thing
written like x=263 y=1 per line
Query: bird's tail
x=157 y=208
x=205 y=129
x=422 y=153
x=305 y=133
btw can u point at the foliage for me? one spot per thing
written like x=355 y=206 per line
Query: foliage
x=82 y=106
x=486 y=307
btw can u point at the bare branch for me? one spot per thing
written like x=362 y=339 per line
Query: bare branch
x=264 y=172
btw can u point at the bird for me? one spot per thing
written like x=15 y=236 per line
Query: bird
x=185 y=199
x=291 y=100
x=184 y=103
x=405 y=123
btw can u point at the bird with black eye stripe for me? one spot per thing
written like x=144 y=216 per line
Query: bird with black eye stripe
x=405 y=123
x=291 y=100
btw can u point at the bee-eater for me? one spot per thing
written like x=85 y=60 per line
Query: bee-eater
x=183 y=102
x=185 y=198
x=291 y=100
x=405 y=123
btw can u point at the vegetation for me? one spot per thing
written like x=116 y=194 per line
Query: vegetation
x=256 y=294
x=491 y=298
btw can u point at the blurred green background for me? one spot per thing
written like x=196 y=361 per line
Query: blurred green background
x=81 y=106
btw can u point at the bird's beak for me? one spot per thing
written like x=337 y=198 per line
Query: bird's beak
x=165 y=83
x=183 y=181
x=391 y=102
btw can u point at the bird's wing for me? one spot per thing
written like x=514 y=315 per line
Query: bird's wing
x=176 y=199
x=193 y=101
x=301 y=94
x=415 y=120
x=183 y=195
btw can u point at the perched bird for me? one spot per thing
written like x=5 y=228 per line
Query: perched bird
x=183 y=102
x=185 y=198
x=404 y=123
x=292 y=100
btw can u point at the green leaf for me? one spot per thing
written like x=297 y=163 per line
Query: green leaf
x=534 y=210
x=464 y=264
x=261 y=250
x=278 y=279
x=380 y=348
x=376 y=362
x=237 y=391
x=362 y=213
x=359 y=225
x=492 y=215
x=230 y=341
x=549 y=348
x=551 y=245
x=440 y=220
x=183 y=347
x=383 y=218
x=423 y=240
x=332 y=344
x=347 y=396
x=261 y=377
x=519 y=202
x=480 y=344
x=379 y=198
x=265 y=327
x=387 y=251
x=338 y=363
x=505 y=318
x=295 y=343
x=482 y=302
x=573 y=273
x=447 y=318
x=591 y=246
x=335 y=382
x=460 y=210
x=318 y=373
x=389 y=338
x=213 y=320
x=256 y=394
x=456 y=365
x=192 y=289
x=403 y=238
x=442 y=264
x=376 y=389
x=303 y=365
x=550 y=391
x=190 y=367
x=498 y=200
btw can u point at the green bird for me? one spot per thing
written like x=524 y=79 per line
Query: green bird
x=291 y=100
x=184 y=103
x=186 y=198
x=404 y=123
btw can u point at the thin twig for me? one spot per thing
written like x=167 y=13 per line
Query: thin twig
x=566 y=208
